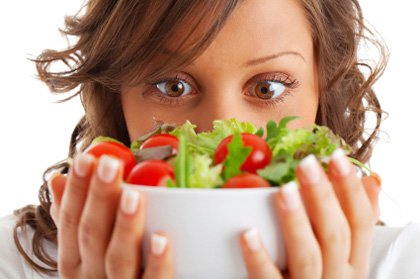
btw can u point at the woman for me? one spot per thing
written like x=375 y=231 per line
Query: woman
x=201 y=60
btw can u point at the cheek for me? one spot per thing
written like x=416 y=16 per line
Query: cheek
x=306 y=107
x=140 y=114
x=137 y=123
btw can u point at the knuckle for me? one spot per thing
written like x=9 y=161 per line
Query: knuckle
x=337 y=237
x=77 y=190
x=365 y=222
x=309 y=263
x=68 y=219
x=115 y=263
x=100 y=191
x=66 y=269
x=89 y=234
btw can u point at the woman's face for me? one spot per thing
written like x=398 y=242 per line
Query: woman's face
x=260 y=66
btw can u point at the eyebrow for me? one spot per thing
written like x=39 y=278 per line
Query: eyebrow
x=254 y=61
x=273 y=56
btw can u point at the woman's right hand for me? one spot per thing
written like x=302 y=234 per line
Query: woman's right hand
x=100 y=228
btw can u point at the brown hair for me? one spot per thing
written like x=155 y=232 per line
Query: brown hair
x=121 y=39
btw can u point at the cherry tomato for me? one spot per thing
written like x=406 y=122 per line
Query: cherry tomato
x=161 y=140
x=259 y=157
x=246 y=180
x=151 y=173
x=116 y=150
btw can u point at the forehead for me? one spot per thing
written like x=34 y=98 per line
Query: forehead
x=258 y=28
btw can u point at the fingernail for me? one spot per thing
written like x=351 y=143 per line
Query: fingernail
x=341 y=162
x=290 y=199
x=310 y=168
x=377 y=178
x=129 y=201
x=252 y=239
x=108 y=168
x=159 y=243
x=82 y=164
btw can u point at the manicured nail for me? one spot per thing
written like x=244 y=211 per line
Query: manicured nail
x=129 y=201
x=311 y=170
x=108 y=168
x=341 y=162
x=82 y=164
x=252 y=239
x=290 y=199
x=159 y=243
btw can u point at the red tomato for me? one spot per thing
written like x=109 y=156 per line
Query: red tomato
x=161 y=140
x=115 y=149
x=151 y=173
x=246 y=180
x=259 y=157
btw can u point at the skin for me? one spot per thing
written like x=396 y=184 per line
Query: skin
x=328 y=231
x=223 y=83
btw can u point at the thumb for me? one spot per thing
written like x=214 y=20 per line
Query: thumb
x=56 y=185
x=372 y=185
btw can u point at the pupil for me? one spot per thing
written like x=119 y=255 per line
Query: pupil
x=264 y=90
x=175 y=87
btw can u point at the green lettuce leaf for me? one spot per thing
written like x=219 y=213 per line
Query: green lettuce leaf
x=237 y=154
x=182 y=164
x=105 y=139
x=274 y=130
x=203 y=174
x=207 y=142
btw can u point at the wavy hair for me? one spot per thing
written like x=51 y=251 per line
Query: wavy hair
x=125 y=37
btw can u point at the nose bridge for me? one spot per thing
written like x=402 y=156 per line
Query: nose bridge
x=220 y=103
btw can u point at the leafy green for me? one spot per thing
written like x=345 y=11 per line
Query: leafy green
x=156 y=153
x=279 y=173
x=360 y=164
x=289 y=147
x=159 y=127
x=105 y=139
x=207 y=142
x=237 y=154
x=194 y=167
x=274 y=130
x=203 y=174
x=182 y=164
x=170 y=183
x=260 y=132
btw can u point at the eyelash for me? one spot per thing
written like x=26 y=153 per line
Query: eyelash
x=175 y=101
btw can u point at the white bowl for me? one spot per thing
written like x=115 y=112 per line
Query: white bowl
x=204 y=227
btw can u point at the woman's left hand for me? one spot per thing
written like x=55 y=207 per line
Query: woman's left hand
x=327 y=224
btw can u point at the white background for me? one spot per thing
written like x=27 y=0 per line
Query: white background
x=35 y=132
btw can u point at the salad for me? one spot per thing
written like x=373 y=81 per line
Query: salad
x=234 y=154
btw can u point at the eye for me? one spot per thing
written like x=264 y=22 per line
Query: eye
x=174 y=88
x=269 y=89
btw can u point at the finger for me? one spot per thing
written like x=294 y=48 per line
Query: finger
x=257 y=260
x=327 y=218
x=304 y=255
x=71 y=208
x=56 y=187
x=160 y=258
x=356 y=206
x=372 y=188
x=123 y=257
x=98 y=216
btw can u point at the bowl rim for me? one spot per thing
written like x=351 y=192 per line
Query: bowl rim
x=160 y=189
